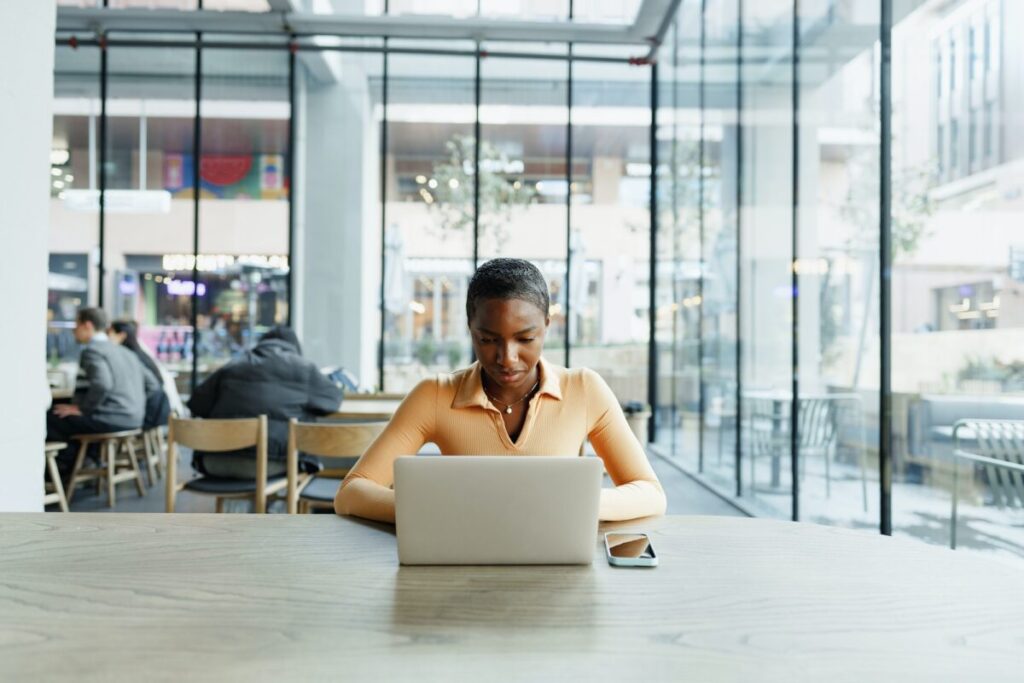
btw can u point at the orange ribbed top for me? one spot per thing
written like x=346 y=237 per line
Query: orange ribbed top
x=453 y=412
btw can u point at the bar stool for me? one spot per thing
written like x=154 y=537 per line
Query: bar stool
x=153 y=450
x=57 y=496
x=111 y=444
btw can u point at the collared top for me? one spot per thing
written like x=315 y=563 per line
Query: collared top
x=569 y=407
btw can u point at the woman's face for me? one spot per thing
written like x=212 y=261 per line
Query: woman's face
x=508 y=337
x=116 y=337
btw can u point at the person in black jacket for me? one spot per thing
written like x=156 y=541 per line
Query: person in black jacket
x=271 y=379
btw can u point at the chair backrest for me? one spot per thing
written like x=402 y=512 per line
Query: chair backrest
x=333 y=440
x=325 y=439
x=218 y=435
x=817 y=422
x=1000 y=440
x=215 y=436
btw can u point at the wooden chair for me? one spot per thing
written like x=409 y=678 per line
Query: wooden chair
x=218 y=436
x=327 y=440
x=57 y=496
x=113 y=469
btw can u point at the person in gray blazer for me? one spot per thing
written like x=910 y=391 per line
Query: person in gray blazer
x=115 y=398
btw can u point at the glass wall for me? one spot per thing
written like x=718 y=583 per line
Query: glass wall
x=767 y=296
x=149 y=221
x=244 y=184
x=73 y=279
x=610 y=236
x=428 y=242
x=958 y=268
x=523 y=187
x=793 y=131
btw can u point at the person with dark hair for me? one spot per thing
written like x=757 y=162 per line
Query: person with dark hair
x=271 y=379
x=115 y=398
x=158 y=407
x=509 y=402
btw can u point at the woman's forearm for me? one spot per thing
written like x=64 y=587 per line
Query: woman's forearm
x=632 y=500
x=366 y=498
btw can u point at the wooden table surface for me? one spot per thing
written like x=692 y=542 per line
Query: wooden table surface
x=374 y=409
x=231 y=597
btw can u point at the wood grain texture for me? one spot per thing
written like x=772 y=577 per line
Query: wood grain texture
x=222 y=597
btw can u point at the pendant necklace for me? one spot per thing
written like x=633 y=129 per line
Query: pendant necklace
x=508 y=406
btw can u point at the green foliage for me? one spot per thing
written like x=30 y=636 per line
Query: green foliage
x=912 y=204
x=500 y=195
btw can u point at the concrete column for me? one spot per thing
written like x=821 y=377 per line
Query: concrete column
x=337 y=243
x=26 y=114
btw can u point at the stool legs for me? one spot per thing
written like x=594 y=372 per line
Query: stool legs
x=72 y=480
x=135 y=467
x=111 y=449
x=58 y=487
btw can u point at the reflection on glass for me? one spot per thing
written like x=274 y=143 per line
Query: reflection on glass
x=629 y=545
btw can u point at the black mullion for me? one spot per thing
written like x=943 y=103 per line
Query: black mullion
x=738 y=455
x=104 y=77
x=568 y=205
x=197 y=129
x=700 y=240
x=476 y=162
x=885 y=261
x=383 y=211
x=794 y=275
x=290 y=161
x=652 y=342
x=674 y=194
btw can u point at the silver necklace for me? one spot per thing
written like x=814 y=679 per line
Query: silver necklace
x=508 y=406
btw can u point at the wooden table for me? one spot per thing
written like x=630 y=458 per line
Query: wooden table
x=370 y=409
x=275 y=597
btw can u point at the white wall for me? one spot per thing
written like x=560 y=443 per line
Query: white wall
x=26 y=100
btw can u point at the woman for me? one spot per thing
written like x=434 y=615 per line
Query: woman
x=158 y=407
x=510 y=402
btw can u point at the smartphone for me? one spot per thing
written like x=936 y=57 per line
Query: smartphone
x=629 y=550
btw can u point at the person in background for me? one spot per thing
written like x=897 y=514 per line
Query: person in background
x=271 y=379
x=158 y=407
x=115 y=398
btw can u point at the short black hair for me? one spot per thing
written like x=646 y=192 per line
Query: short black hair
x=508 y=278
x=96 y=316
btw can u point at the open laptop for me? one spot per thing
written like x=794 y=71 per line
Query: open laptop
x=492 y=509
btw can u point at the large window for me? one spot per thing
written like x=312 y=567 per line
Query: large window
x=73 y=279
x=428 y=240
x=767 y=292
x=523 y=186
x=244 y=185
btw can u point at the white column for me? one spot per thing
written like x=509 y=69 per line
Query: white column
x=26 y=114
x=337 y=239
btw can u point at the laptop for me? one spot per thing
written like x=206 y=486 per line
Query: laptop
x=497 y=509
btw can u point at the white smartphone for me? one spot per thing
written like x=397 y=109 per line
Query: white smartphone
x=629 y=550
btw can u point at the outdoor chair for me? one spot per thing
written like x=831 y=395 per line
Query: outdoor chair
x=998 y=447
